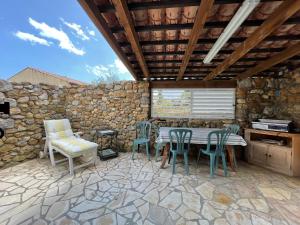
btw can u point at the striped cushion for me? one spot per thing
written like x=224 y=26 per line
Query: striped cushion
x=73 y=146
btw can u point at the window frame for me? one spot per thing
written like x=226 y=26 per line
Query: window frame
x=191 y=116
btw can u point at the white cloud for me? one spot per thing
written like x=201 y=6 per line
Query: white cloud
x=77 y=28
x=32 y=38
x=59 y=35
x=98 y=70
x=92 y=32
x=120 y=66
x=111 y=72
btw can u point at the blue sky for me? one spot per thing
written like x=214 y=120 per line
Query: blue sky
x=55 y=36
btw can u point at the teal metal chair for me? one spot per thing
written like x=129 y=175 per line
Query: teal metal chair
x=157 y=145
x=180 y=140
x=235 y=128
x=143 y=130
x=217 y=139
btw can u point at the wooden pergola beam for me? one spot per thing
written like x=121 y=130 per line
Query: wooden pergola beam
x=200 y=76
x=166 y=4
x=278 y=58
x=201 y=60
x=211 y=40
x=214 y=60
x=204 y=52
x=193 y=72
x=100 y=23
x=277 y=18
x=126 y=21
x=196 y=67
x=201 y=16
x=208 y=25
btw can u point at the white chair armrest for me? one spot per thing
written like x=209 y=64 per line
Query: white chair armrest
x=77 y=134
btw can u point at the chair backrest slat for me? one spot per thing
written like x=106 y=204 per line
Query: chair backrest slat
x=235 y=128
x=221 y=137
x=143 y=129
x=180 y=137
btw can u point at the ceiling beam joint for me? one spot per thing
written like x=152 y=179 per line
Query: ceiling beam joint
x=284 y=11
x=276 y=59
x=201 y=16
x=125 y=19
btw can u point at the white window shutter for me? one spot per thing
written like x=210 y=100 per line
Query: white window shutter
x=213 y=103
x=202 y=103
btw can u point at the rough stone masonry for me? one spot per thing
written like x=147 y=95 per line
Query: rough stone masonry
x=120 y=106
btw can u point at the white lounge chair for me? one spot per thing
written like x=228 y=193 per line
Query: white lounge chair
x=60 y=138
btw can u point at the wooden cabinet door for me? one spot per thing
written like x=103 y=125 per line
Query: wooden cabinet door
x=258 y=153
x=279 y=159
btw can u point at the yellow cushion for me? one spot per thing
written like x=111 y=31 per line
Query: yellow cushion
x=58 y=128
x=61 y=134
x=73 y=146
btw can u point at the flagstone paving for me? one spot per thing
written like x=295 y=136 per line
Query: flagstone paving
x=121 y=191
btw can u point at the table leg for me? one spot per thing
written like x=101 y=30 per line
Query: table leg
x=166 y=151
x=230 y=150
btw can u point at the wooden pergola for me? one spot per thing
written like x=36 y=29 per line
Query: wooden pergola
x=166 y=41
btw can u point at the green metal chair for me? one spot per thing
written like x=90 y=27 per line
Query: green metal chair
x=143 y=130
x=180 y=140
x=218 y=139
x=235 y=128
x=157 y=145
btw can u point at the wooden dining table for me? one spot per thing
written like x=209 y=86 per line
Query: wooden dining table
x=200 y=137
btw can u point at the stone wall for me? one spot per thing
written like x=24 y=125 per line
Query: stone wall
x=257 y=98
x=269 y=98
x=120 y=105
x=30 y=105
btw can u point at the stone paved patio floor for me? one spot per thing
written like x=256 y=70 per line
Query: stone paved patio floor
x=122 y=191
